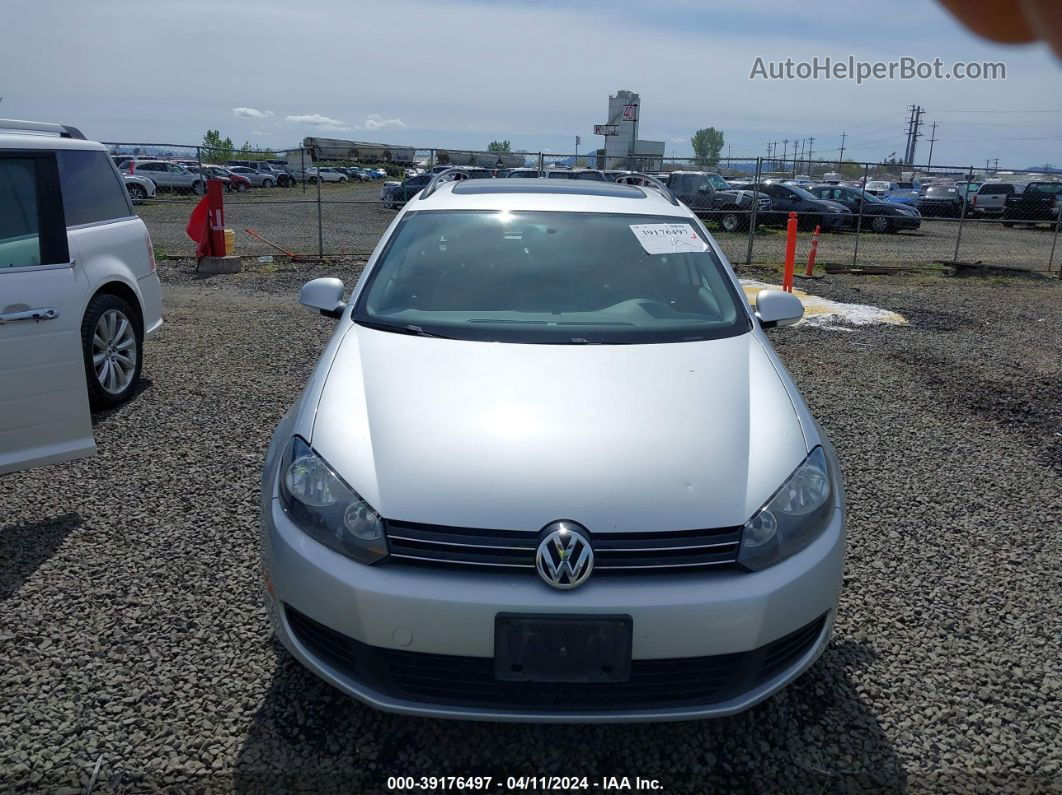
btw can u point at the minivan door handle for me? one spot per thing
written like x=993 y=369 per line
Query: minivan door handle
x=44 y=313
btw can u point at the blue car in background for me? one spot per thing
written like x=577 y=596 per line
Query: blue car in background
x=908 y=196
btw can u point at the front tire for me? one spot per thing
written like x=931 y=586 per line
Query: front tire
x=112 y=342
x=732 y=221
x=137 y=193
x=267 y=183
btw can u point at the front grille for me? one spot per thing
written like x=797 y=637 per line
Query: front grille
x=469 y=681
x=670 y=551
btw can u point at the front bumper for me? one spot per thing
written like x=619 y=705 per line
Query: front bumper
x=394 y=609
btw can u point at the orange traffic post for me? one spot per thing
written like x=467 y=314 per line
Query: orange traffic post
x=216 y=217
x=813 y=252
x=790 y=252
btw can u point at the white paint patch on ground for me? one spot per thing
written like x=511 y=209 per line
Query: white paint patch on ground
x=824 y=313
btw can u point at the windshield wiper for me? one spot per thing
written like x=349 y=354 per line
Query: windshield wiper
x=407 y=328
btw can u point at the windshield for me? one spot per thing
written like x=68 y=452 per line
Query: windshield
x=718 y=182
x=1054 y=187
x=803 y=194
x=548 y=277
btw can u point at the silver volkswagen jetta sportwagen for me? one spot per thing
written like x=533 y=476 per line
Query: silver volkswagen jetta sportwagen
x=549 y=468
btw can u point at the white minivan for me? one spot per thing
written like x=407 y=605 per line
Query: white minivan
x=79 y=293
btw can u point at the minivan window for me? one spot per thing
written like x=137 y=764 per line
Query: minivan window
x=549 y=277
x=91 y=190
x=20 y=244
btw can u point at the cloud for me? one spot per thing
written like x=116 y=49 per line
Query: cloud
x=317 y=120
x=377 y=122
x=678 y=139
x=252 y=113
x=259 y=132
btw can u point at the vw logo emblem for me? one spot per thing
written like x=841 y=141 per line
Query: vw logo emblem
x=564 y=558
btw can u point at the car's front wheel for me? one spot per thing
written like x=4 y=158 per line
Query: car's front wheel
x=880 y=224
x=732 y=221
x=112 y=341
x=137 y=193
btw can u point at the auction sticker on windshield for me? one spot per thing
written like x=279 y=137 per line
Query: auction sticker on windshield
x=668 y=238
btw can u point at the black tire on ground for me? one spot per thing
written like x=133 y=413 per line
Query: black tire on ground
x=312 y=180
x=733 y=221
x=880 y=224
x=99 y=397
x=137 y=193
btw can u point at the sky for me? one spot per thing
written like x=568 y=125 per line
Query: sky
x=534 y=72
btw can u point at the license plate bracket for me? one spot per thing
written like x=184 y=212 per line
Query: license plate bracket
x=552 y=648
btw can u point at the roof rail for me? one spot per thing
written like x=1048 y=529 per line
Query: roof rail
x=62 y=130
x=434 y=183
x=653 y=182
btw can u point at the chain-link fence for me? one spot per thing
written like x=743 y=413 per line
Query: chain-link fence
x=329 y=201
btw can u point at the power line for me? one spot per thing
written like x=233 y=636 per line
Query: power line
x=981 y=110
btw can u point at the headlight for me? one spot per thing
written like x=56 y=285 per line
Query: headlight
x=794 y=517
x=327 y=509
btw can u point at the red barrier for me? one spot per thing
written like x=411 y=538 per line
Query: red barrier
x=814 y=251
x=790 y=252
x=216 y=216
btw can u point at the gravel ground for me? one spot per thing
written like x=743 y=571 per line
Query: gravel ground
x=352 y=220
x=131 y=630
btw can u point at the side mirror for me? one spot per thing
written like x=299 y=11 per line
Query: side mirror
x=774 y=308
x=324 y=295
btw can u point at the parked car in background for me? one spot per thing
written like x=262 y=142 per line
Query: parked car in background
x=1037 y=203
x=711 y=197
x=877 y=215
x=257 y=178
x=942 y=201
x=139 y=188
x=520 y=173
x=79 y=293
x=167 y=175
x=577 y=173
x=325 y=174
x=991 y=198
x=811 y=211
x=234 y=183
x=905 y=196
x=877 y=187
x=280 y=176
x=969 y=188
x=397 y=194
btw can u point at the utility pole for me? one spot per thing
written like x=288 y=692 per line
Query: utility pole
x=785 y=148
x=728 y=155
x=840 y=160
x=995 y=166
x=916 y=133
x=811 y=140
x=932 y=140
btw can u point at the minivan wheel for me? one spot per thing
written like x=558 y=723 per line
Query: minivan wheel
x=112 y=342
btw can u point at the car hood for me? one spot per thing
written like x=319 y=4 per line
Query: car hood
x=511 y=436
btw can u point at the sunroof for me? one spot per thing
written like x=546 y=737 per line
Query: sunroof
x=470 y=187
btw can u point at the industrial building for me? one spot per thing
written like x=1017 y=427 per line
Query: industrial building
x=623 y=149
